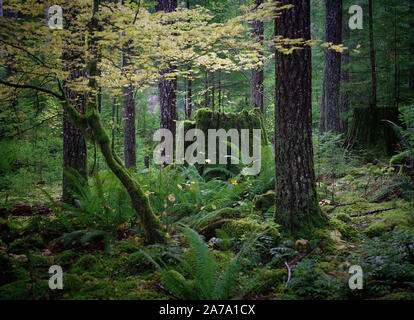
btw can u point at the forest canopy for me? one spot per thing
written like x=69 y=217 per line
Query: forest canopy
x=312 y=99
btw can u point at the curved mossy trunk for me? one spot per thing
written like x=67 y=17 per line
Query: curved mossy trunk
x=369 y=129
x=296 y=204
x=91 y=125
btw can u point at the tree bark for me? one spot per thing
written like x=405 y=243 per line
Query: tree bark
x=296 y=201
x=130 y=157
x=206 y=94
x=344 y=98
x=74 y=144
x=332 y=69
x=256 y=98
x=212 y=91
x=373 y=102
x=91 y=124
x=188 y=103
x=411 y=69
x=167 y=87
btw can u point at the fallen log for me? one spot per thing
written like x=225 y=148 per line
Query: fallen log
x=369 y=212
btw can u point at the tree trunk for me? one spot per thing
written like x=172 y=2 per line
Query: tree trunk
x=74 y=144
x=256 y=98
x=212 y=91
x=344 y=98
x=130 y=157
x=332 y=68
x=219 y=92
x=188 y=103
x=206 y=95
x=373 y=102
x=296 y=203
x=91 y=125
x=411 y=69
x=167 y=87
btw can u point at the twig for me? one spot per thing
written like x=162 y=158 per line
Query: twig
x=370 y=212
x=168 y=291
x=289 y=272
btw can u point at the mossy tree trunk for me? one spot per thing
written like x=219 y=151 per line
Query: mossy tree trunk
x=296 y=201
x=91 y=125
x=74 y=144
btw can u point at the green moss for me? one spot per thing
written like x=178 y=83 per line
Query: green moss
x=326 y=266
x=29 y=242
x=376 y=229
x=347 y=231
x=343 y=217
x=267 y=279
x=264 y=201
x=399 y=296
x=15 y=290
x=127 y=246
x=239 y=229
x=67 y=257
x=325 y=242
x=72 y=282
x=205 y=120
x=397 y=217
x=86 y=262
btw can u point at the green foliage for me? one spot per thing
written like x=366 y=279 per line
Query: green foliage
x=103 y=204
x=308 y=281
x=406 y=136
x=204 y=281
x=85 y=239
x=388 y=262
x=330 y=157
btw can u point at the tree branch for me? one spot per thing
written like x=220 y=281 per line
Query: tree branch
x=28 y=86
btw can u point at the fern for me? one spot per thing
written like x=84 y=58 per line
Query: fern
x=85 y=238
x=223 y=170
x=205 y=281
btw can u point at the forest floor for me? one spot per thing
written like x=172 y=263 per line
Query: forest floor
x=371 y=224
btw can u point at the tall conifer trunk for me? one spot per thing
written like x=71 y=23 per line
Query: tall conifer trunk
x=256 y=99
x=330 y=111
x=373 y=102
x=296 y=202
x=74 y=144
x=167 y=87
